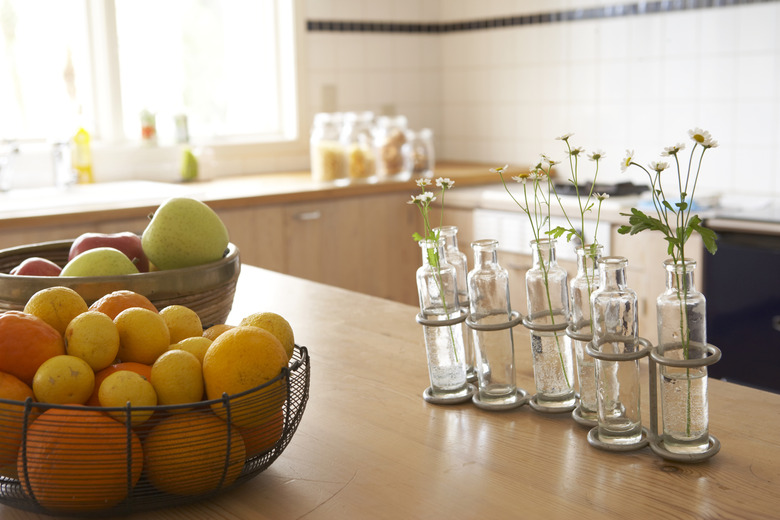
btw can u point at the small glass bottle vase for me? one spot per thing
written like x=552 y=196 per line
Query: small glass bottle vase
x=547 y=293
x=441 y=317
x=580 y=290
x=457 y=259
x=682 y=334
x=491 y=321
x=617 y=350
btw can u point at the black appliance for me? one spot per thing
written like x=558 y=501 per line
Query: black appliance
x=742 y=287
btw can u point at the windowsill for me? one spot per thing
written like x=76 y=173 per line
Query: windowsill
x=33 y=166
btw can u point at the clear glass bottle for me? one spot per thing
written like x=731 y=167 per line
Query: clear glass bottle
x=547 y=293
x=328 y=160
x=356 y=137
x=389 y=139
x=438 y=295
x=580 y=290
x=682 y=334
x=615 y=327
x=488 y=285
x=418 y=153
x=457 y=259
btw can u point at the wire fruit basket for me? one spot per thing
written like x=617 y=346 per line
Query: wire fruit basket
x=207 y=289
x=70 y=460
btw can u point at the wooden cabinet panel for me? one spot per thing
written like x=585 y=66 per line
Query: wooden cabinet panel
x=258 y=232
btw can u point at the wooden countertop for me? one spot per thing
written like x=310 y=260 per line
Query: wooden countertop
x=226 y=192
x=370 y=447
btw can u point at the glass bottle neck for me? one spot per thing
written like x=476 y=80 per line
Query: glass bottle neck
x=543 y=252
x=485 y=253
x=587 y=259
x=612 y=272
x=450 y=236
x=432 y=252
x=679 y=275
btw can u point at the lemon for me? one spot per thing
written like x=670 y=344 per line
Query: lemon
x=56 y=306
x=182 y=322
x=143 y=335
x=195 y=346
x=177 y=378
x=124 y=387
x=93 y=337
x=63 y=380
x=276 y=325
x=215 y=330
x=239 y=360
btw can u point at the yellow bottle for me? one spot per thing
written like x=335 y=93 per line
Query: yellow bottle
x=81 y=157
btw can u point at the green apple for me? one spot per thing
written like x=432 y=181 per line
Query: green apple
x=184 y=232
x=100 y=261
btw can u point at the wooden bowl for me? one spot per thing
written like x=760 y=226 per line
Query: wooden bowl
x=207 y=289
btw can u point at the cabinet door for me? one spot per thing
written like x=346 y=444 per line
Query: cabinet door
x=363 y=244
x=259 y=234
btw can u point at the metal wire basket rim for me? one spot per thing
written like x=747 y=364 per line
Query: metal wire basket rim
x=283 y=374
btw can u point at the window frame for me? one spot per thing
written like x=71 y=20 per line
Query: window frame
x=119 y=157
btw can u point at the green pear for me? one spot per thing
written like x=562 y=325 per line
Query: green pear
x=100 y=261
x=184 y=232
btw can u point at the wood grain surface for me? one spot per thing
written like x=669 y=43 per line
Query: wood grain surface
x=370 y=447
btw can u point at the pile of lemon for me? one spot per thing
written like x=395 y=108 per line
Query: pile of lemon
x=123 y=353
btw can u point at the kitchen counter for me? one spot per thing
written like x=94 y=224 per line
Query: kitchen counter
x=369 y=446
x=128 y=199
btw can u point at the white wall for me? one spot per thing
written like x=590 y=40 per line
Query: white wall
x=502 y=95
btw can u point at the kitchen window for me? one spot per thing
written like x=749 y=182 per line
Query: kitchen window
x=228 y=65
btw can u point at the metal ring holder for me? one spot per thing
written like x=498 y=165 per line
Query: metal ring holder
x=521 y=396
x=656 y=442
x=470 y=388
x=593 y=436
x=577 y=412
x=529 y=324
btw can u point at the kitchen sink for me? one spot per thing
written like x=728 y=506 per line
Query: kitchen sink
x=88 y=196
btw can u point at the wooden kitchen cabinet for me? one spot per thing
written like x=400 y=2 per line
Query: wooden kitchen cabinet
x=362 y=244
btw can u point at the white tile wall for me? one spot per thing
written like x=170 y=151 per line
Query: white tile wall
x=503 y=95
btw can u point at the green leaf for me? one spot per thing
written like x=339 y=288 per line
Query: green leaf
x=624 y=229
x=416 y=236
x=557 y=232
x=708 y=236
x=682 y=205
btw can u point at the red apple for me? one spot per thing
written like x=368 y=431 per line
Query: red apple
x=127 y=242
x=36 y=266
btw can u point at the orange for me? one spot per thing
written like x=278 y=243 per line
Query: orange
x=114 y=303
x=77 y=460
x=195 y=346
x=177 y=378
x=185 y=454
x=26 y=341
x=182 y=322
x=63 y=380
x=215 y=330
x=125 y=387
x=276 y=325
x=239 y=360
x=143 y=335
x=263 y=437
x=138 y=368
x=93 y=337
x=56 y=306
x=11 y=421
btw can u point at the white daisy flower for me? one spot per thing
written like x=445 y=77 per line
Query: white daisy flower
x=627 y=161
x=596 y=155
x=445 y=183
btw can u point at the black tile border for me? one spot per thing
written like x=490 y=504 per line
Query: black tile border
x=593 y=13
